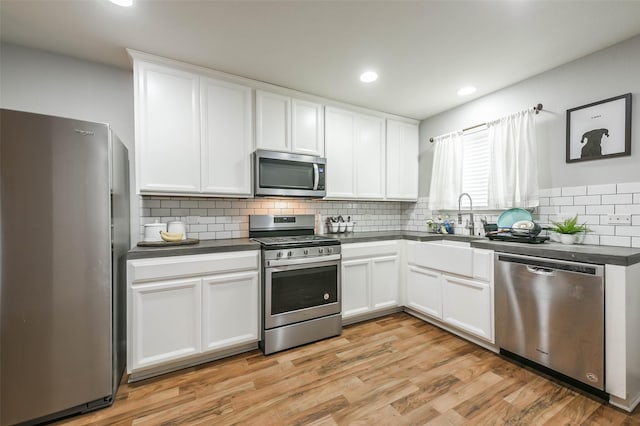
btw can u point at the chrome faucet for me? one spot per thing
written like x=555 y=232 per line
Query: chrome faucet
x=470 y=225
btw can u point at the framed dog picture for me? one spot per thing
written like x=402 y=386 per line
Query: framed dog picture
x=599 y=130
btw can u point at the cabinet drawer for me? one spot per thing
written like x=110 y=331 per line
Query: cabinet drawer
x=141 y=270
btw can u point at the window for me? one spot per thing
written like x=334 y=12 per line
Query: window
x=475 y=168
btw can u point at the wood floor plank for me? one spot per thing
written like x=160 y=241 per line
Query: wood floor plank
x=395 y=370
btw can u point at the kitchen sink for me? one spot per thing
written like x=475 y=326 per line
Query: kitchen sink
x=446 y=255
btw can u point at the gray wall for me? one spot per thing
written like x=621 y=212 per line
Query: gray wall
x=601 y=75
x=46 y=83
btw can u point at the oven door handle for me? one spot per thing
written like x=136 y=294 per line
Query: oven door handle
x=302 y=261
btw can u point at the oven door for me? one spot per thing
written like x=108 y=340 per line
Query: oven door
x=299 y=292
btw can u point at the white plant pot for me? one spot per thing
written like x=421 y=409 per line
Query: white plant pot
x=568 y=238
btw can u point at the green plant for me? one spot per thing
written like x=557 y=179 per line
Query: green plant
x=569 y=226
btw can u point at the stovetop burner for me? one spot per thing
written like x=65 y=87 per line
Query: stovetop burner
x=296 y=241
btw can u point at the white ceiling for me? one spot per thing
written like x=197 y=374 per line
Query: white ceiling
x=424 y=51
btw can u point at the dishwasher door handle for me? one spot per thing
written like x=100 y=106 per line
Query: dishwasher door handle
x=540 y=271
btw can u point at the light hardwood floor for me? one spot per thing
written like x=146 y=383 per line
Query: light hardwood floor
x=396 y=370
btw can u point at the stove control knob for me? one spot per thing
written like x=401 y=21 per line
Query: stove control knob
x=329 y=250
x=306 y=252
x=279 y=254
x=320 y=250
x=290 y=254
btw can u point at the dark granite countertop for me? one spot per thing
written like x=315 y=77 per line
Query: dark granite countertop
x=203 y=247
x=623 y=256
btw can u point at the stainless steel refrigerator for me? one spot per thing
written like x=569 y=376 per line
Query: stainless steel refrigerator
x=64 y=229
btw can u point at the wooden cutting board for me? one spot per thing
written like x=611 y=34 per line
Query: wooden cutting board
x=186 y=242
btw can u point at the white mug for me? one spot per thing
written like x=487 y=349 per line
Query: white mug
x=179 y=227
x=152 y=231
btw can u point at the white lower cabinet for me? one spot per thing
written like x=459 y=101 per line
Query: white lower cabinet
x=165 y=322
x=370 y=277
x=466 y=304
x=384 y=282
x=424 y=291
x=462 y=299
x=230 y=310
x=183 y=310
x=355 y=287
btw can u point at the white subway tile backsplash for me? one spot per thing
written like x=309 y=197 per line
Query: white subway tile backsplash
x=617 y=199
x=169 y=203
x=601 y=189
x=228 y=218
x=628 y=209
x=189 y=204
x=587 y=200
x=623 y=188
x=574 y=190
x=551 y=210
x=603 y=229
x=610 y=209
x=561 y=201
x=572 y=210
x=629 y=231
x=607 y=240
x=550 y=192
x=150 y=203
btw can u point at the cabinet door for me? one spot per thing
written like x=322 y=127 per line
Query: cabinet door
x=385 y=275
x=369 y=157
x=230 y=310
x=402 y=161
x=273 y=121
x=307 y=127
x=165 y=322
x=167 y=129
x=467 y=306
x=226 y=137
x=355 y=287
x=339 y=150
x=424 y=291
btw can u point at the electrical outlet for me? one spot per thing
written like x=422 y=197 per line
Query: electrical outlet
x=619 y=219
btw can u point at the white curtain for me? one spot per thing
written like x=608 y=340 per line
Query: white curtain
x=513 y=175
x=446 y=175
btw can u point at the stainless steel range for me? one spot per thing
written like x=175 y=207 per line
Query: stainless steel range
x=301 y=281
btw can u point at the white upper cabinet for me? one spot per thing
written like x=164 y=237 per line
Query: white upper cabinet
x=273 y=121
x=369 y=155
x=289 y=125
x=193 y=133
x=226 y=116
x=167 y=122
x=307 y=127
x=355 y=155
x=402 y=161
x=339 y=144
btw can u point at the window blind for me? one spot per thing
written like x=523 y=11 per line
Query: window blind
x=475 y=169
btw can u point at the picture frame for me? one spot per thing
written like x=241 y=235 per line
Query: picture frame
x=599 y=130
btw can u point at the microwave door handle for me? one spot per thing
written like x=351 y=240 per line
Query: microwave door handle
x=316 y=176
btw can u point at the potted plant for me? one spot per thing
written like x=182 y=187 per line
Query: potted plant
x=568 y=229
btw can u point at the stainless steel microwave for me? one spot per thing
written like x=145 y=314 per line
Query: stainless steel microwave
x=281 y=174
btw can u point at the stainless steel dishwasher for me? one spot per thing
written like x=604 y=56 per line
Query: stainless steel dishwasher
x=551 y=312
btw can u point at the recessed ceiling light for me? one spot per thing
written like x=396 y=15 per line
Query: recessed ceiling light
x=123 y=3
x=467 y=90
x=368 y=76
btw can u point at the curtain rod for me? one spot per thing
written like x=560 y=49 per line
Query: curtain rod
x=536 y=108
